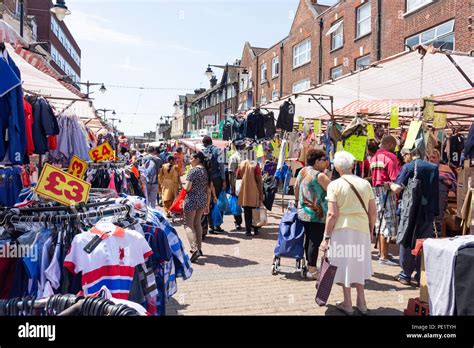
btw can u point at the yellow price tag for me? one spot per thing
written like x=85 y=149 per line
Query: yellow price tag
x=356 y=145
x=300 y=123
x=370 y=132
x=77 y=167
x=101 y=153
x=440 y=120
x=412 y=134
x=428 y=112
x=394 y=119
x=317 y=126
x=62 y=187
x=259 y=151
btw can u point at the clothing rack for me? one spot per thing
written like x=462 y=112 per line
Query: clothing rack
x=126 y=207
x=118 y=164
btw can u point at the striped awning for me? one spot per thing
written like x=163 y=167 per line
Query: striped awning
x=8 y=34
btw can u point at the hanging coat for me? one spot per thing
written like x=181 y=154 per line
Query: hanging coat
x=12 y=114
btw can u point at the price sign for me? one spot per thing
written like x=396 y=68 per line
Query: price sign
x=428 y=112
x=356 y=145
x=259 y=151
x=102 y=153
x=77 y=167
x=370 y=131
x=317 y=126
x=439 y=120
x=394 y=121
x=62 y=187
x=412 y=134
x=300 y=123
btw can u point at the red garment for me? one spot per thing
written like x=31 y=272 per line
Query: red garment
x=7 y=275
x=52 y=142
x=366 y=167
x=385 y=167
x=30 y=145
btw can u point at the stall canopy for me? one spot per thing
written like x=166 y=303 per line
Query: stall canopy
x=8 y=34
x=38 y=82
x=402 y=77
x=195 y=144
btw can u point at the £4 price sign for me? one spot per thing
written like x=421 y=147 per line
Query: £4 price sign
x=62 y=187
x=103 y=152
x=77 y=167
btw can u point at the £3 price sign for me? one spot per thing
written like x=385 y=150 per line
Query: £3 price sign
x=103 y=152
x=77 y=167
x=62 y=187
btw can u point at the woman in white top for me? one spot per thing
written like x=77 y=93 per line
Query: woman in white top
x=349 y=224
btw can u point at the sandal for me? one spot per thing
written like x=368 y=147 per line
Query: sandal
x=312 y=276
x=340 y=306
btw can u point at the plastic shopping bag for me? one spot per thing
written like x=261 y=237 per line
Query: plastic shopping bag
x=234 y=207
x=222 y=202
x=262 y=217
x=216 y=216
x=177 y=206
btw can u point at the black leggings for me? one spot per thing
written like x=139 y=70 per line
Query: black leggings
x=314 y=234
x=248 y=218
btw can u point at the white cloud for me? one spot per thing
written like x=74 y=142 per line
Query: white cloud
x=98 y=29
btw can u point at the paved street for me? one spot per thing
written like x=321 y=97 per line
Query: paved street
x=234 y=278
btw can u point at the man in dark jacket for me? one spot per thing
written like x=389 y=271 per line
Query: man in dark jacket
x=217 y=173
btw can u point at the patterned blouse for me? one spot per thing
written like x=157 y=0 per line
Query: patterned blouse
x=311 y=190
x=197 y=197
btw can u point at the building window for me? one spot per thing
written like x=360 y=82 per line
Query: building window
x=362 y=62
x=263 y=99
x=412 y=5
x=17 y=8
x=264 y=72
x=442 y=35
x=337 y=35
x=275 y=66
x=363 y=19
x=302 y=53
x=275 y=95
x=336 y=72
x=301 y=86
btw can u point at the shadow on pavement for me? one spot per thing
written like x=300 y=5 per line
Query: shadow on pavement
x=226 y=261
x=173 y=307
x=219 y=241
x=373 y=285
x=333 y=311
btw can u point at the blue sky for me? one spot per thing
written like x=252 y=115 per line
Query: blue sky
x=166 y=44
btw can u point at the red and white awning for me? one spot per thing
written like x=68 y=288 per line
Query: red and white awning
x=8 y=34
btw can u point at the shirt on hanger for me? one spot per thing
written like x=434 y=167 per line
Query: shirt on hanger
x=112 y=263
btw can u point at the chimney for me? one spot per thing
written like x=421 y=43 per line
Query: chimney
x=213 y=81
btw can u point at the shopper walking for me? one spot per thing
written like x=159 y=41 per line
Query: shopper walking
x=424 y=204
x=151 y=168
x=251 y=192
x=310 y=196
x=197 y=186
x=170 y=182
x=350 y=221
x=179 y=159
x=217 y=173
x=385 y=168
x=234 y=162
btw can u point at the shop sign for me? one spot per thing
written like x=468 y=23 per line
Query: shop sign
x=215 y=135
x=103 y=152
x=356 y=145
x=62 y=187
x=77 y=167
x=210 y=120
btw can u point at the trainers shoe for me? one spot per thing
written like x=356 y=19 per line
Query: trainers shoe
x=238 y=228
x=248 y=234
x=401 y=280
x=195 y=256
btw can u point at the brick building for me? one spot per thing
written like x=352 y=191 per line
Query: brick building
x=63 y=48
x=328 y=42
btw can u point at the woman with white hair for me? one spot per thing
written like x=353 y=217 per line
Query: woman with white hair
x=349 y=224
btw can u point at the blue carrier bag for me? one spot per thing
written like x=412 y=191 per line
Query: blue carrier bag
x=290 y=236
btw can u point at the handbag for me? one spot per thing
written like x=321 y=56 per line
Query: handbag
x=325 y=281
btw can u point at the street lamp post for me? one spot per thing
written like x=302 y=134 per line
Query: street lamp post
x=113 y=121
x=60 y=10
x=104 y=111
x=89 y=84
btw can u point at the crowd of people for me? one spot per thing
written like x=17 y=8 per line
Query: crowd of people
x=337 y=208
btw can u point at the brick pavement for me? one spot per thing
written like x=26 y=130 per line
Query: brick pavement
x=234 y=278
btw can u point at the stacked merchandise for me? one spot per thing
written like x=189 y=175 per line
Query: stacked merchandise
x=86 y=252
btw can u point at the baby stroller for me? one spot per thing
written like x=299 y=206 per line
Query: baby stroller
x=290 y=242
